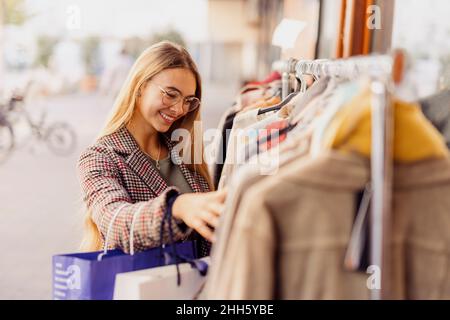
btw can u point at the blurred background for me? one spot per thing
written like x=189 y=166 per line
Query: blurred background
x=62 y=63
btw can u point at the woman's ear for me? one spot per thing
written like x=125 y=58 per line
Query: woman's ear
x=141 y=88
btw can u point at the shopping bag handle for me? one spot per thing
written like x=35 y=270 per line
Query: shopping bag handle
x=136 y=214
x=200 y=265
x=111 y=223
x=105 y=246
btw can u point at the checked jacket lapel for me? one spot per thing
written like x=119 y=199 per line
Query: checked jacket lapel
x=123 y=142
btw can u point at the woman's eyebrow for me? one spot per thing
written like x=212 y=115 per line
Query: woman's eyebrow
x=176 y=89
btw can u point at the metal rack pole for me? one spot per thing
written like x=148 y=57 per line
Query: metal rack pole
x=381 y=172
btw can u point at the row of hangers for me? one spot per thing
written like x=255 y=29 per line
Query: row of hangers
x=383 y=70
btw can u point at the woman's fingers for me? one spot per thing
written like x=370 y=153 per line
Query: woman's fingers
x=216 y=208
x=202 y=211
x=204 y=230
x=210 y=218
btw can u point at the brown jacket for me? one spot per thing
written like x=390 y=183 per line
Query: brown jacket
x=291 y=232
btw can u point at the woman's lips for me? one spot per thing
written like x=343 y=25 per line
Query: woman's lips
x=168 y=119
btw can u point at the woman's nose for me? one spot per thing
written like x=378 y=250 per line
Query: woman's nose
x=177 y=108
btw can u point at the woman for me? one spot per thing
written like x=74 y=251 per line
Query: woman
x=133 y=161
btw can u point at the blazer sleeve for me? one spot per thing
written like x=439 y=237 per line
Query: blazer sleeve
x=103 y=194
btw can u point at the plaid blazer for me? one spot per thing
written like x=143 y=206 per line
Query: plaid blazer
x=114 y=172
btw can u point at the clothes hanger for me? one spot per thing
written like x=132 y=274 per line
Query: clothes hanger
x=278 y=106
x=301 y=87
x=285 y=101
x=276 y=92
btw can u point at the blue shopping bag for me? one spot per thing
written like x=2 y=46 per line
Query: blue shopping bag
x=91 y=276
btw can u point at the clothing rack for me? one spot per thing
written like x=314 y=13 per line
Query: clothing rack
x=376 y=66
x=382 y=70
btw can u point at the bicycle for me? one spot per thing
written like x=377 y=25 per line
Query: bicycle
x=59 y=137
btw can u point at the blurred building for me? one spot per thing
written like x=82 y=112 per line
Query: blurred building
x=240 y=35
x=239 y=40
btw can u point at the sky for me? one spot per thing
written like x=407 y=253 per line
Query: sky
x=111 y=20
x=117 y=18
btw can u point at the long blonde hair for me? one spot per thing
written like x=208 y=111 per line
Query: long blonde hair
x=158 y=57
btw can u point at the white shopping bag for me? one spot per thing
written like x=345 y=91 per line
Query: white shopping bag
x=160 y=283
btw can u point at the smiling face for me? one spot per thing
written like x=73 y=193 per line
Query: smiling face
x=150 y=107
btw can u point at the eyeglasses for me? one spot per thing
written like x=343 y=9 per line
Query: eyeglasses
x=172 y=97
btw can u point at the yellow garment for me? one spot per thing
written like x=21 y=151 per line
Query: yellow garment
x=415 y=138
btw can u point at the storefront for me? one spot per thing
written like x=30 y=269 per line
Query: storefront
x=323 y=172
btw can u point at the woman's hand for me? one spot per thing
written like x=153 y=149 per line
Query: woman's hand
x=200 y=211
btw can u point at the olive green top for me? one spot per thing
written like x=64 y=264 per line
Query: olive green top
x=172 y=175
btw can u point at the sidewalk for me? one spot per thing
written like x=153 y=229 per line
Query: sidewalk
x=41 y=206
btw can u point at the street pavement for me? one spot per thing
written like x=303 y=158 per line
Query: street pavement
x=41 y=209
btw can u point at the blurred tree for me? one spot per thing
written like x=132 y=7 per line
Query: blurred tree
x=13 y=12
x=135 y=45
x=170 y=35
x=90 y=51
x=90 y=47
x=45 y=46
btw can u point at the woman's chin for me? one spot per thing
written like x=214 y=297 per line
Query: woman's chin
x=162 y=127
x=164 y=130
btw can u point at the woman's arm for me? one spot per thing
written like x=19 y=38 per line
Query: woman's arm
x=103 y=194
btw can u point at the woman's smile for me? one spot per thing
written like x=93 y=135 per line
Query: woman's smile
x=168 y=119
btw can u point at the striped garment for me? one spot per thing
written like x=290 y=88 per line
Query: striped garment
x=114 y=171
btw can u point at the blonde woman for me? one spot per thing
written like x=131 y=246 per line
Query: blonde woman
x=134 y=163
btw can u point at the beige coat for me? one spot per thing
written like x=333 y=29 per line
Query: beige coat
x=291 y=232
